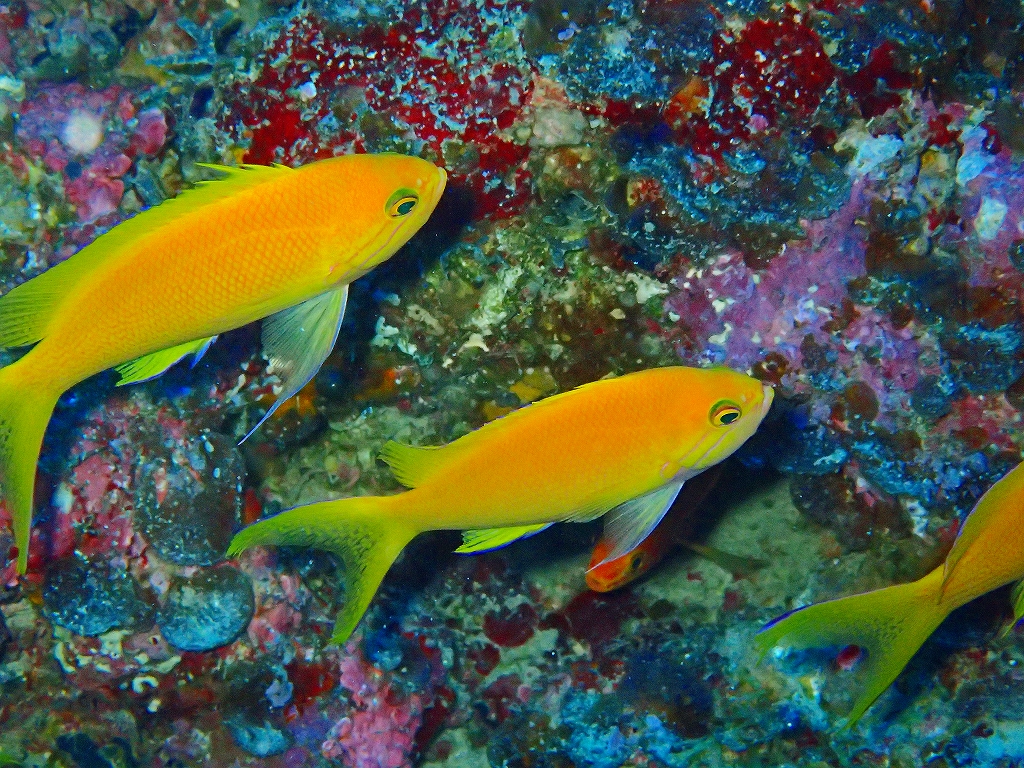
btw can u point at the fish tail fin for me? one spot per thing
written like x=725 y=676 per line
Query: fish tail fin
x=24 y=413
x=888 y=624
x=359 y=530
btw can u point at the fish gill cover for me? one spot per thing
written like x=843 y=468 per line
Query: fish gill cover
x=828 y=194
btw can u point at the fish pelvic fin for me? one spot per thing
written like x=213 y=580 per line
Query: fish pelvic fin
x=24 y=413
x=360 y=530
x=888 y=624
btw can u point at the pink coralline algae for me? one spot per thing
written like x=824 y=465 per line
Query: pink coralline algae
x=732 y=312
x=428 y=82
x=91 y=138
x=93 y=505
x=379 y=731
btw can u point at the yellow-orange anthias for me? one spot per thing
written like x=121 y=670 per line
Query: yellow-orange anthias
x=621 y=446
x=264 y=241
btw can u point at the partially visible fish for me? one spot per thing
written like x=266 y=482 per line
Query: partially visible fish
x=622 y=446
x=604 y=575
x=892 y=623
x=263 y=241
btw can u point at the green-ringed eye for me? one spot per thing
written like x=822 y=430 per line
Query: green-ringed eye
x=402 y=203
x=724 y=413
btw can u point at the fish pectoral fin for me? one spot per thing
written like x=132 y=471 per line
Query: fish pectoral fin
x=631 y=522
x=297 y=340
x=152 y=365
x=485 y=539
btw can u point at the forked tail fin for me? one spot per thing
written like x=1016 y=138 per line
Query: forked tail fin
x=24 y=414
x=361 y=530
x=889 y=624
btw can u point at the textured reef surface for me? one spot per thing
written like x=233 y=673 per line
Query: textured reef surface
x=827 y=194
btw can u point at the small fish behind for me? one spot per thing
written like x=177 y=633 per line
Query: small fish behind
x=621 y=446
x=604 y=575
x=263 y=242
x=892 y=623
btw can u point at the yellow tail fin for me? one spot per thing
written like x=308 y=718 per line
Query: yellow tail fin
x=24 y=414
x=360 y=530
x=889 y=624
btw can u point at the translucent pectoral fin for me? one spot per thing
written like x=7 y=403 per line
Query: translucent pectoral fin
x=297 y=340
x=1017 y=597
x=493 y=538
x=152 y=365
x=631 y=522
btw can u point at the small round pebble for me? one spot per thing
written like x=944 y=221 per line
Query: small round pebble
x=207 y=610
x=91 y=598
x=187 y=516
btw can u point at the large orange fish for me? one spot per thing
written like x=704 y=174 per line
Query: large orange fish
x=892 y=623
x=622 y=446
x=264 y=241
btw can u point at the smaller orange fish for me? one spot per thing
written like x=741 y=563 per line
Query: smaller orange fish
x=605 y=576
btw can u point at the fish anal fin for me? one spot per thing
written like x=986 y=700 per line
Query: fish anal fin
x=152 y=365
x=486 y=539
x=297 y=340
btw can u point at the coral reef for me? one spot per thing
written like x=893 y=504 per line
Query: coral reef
x=826 y=194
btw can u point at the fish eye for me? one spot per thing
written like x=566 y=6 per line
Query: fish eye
x=724 y=413
x=402 y=203
x=636 y=563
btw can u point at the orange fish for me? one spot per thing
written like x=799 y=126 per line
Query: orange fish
x=604 y=575
x=264 y=242
x=622 y=446
x=892 y=623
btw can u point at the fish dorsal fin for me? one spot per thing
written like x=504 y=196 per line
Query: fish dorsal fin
x=996 y=512
x=297 y=340
x=26 y=311
x=152 y=365
x=414 y=465
x=631 y=522
x=486 y=539
x=204 y=193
